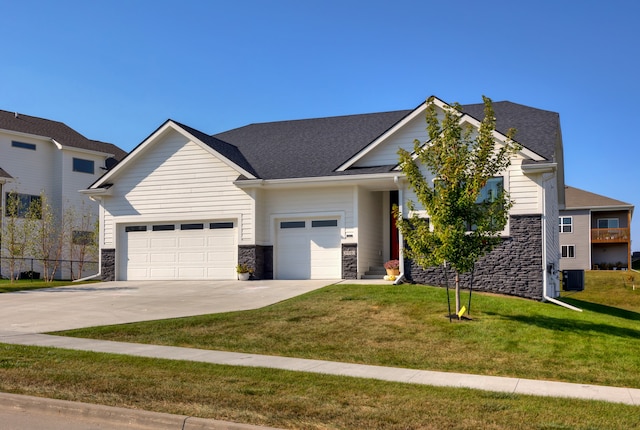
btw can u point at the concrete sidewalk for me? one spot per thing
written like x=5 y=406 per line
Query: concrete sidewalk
x=630 y=396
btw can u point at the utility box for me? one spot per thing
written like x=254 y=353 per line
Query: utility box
x=573 y=280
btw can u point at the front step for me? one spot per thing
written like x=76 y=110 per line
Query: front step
x=378 y=272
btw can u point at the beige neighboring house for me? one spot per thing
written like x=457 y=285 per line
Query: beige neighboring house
x=595 y=232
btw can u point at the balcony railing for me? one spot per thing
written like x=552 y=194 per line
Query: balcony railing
x=609 y=235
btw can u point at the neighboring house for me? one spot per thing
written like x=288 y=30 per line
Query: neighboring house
x=595 y=232
x=39 y=156
x=312 y=199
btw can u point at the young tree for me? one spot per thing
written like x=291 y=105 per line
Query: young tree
x=467 y=207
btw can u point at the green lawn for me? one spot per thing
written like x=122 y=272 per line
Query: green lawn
x=404 y=326
x=383 y=324
x=7 y=286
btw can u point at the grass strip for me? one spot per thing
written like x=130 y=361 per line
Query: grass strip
x=284 y=399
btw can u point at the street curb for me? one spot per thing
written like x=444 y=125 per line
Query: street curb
x=122 y=417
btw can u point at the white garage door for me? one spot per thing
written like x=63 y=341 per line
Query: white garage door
x=185 y=251
x=308 y=249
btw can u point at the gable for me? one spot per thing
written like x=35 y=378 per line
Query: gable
x=384 y=150
x=172 y=177
x=152 y=148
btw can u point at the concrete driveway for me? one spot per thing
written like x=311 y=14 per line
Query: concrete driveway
x=76 y=306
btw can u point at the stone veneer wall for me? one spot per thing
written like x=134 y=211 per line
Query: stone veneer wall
x=259 y=257
x=513 y=268
x=108 y=264
x=349 y=261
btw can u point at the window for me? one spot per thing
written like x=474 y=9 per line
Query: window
x=325 y=223
x=135 y=228
x=191 y=226
x=292 y=224
x=566 y=224
x=23 y=145
x=568 y=251
x=82 y=237
x=488 y=193
x=83 y=166
x=21 y=205
x=219 y=225
x=163 y=227
x=608 y=223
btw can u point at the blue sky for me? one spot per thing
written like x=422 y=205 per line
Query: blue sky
x=115 y=70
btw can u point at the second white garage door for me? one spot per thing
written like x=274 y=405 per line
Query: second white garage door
x=308 y=249
x=179 y=251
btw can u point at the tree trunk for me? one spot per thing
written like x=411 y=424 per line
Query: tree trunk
x=457 y=293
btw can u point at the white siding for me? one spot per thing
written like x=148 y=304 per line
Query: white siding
x=178 y=180
x=74 y=181
x=370 y=229
x=524 y=190
x=387 y=152
x=308 y=202
x=33 y=171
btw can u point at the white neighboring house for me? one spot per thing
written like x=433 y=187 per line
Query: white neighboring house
x=38 y=155
x=311 y=199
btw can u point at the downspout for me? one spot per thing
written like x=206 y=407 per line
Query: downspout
x=400 y=278
x=545 y=282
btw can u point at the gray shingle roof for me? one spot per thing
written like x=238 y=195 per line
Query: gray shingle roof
x=536 y=129
x=58 y=131
x=4 y=174
x=229 y=151
x=310 y=147
x=316 y=147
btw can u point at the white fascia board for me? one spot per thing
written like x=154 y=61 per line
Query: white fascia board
x=96 y=192
x=212 y=151
x=81 y=150
x=601 y=208
x=417 y=111
x=317 y=181
x=539 y=168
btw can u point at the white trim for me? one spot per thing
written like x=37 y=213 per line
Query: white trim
x=317 y=181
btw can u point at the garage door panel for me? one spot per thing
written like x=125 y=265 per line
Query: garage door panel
x=309 y=252
x=191 y=257
x=166 y=254
x=162 y=242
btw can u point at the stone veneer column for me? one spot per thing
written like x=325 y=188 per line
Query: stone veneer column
x=108 y=264
x=349 y=261
x=259 y=257
x=514 y=267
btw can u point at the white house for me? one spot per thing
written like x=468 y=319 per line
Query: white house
x=38 y=156
x=311 y=199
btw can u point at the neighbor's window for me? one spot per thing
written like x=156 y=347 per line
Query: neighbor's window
x=23 y=145
x=79 y=237
x=83 y=166
x=568 y=251
x=608 y=223
x=566 y=224
x=20 y=205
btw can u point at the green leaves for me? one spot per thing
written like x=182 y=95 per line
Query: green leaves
x=466 y=203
